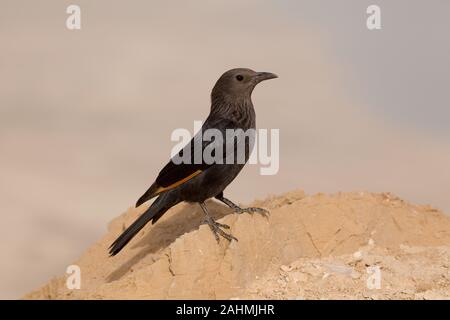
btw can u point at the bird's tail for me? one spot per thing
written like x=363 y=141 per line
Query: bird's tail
x=154 y=212
x=150 y=193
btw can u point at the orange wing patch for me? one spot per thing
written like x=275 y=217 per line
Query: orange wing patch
x=176 y=184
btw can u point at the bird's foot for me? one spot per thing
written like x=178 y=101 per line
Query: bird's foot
x=216 y=229
x=263 y=212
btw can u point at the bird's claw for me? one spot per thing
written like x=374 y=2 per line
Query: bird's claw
x=261 y=211
x=216 y=229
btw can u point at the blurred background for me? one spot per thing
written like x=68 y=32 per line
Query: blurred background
x=86 y=115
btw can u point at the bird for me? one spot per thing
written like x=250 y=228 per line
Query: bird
x=197 y=181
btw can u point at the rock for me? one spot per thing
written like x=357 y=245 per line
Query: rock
x=298 y=276
x=286 y=268
x=305 y=241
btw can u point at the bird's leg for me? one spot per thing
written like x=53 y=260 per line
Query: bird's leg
x=215 y=226
x=238 y=209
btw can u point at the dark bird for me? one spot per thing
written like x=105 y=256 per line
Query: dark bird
x=197 y=181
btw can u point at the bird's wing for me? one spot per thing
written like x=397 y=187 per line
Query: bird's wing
x=175 y=173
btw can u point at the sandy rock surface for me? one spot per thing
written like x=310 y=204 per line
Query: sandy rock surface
x=311 y=247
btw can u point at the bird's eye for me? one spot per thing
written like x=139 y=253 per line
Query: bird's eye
x=239 y=77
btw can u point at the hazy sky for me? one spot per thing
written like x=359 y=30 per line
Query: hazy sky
x=401 y=71
x=86 y=116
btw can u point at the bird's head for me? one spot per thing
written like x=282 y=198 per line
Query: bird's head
x=236 y=84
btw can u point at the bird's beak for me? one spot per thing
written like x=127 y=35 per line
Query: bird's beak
x=261 y=76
